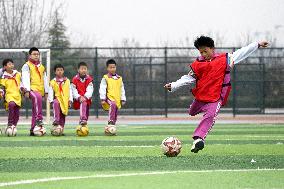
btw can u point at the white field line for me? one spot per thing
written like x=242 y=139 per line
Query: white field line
x=279 y=137
x=32 y=181
x=148 y=146
x=121 y=146
x=117 y=146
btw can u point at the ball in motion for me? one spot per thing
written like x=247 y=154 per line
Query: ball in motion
x=171 y=146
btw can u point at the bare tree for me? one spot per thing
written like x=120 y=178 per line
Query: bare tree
x=24 y=23
x=129 y=53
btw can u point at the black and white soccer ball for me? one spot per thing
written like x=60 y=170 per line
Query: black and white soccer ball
x=56 y=130
x=11 y=131
x=110 y=130
x=39 y=131
x=171 y=146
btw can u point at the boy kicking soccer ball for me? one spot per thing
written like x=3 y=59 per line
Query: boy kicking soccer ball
x=82 y=89
x=112 y=95
x=10 y=91
x=211 y=74
x=35 y=86
x=60 y=95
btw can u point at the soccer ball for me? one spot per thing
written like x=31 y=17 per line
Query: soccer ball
x=171 y=146
x=39 y=130
x=56 y=130
x=11 y=131
x=110 y=130
x=82 y=130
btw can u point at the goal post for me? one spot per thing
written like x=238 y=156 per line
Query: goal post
x=47 y=66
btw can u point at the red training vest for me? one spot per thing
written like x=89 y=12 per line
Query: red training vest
x=81 y=88
x=209 y=78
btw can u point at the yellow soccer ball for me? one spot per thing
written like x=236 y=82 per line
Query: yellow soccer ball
x=82 y=130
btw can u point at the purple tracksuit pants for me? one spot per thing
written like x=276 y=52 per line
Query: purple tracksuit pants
x=210 y=111
x=13 y=113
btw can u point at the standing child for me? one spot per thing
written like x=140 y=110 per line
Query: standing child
x=112 y=93
x=10 y=84
x=60 y=95
x=82 y=88
x=35 y=86
x=211 y=73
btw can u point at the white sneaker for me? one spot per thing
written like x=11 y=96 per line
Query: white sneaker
x=197 y=145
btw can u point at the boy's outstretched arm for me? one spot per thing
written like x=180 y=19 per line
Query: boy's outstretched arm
x=184 y=80
x=245 y=52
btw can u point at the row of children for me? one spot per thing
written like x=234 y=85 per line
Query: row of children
x=62 y=93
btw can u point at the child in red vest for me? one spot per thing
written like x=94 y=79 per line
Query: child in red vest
x=211 y=74
x=82 y=89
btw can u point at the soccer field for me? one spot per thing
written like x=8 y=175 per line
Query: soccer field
x=133 y=159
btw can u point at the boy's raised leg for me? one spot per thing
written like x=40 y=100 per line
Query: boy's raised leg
x=211 y=110
x=195 y=107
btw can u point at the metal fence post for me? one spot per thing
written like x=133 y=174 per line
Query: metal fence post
x=96 y=77
x=151 y=87
x=134 y=88
x=234 y=90
x=166 y=80
x=263 y=86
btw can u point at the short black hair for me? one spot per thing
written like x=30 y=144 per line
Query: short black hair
x=33 y=49
x=5 y=61
x=110 y=61
x=204 y=41
x=58 y=66
x=82 y=64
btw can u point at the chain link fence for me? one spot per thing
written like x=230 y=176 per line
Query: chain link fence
x=258 y=81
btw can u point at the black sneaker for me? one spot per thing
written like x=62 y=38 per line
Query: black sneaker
x=110 y=123
x=197 y=145
x=32 y=133
x=55 y=124
x=83 y=122
x=39 y=123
